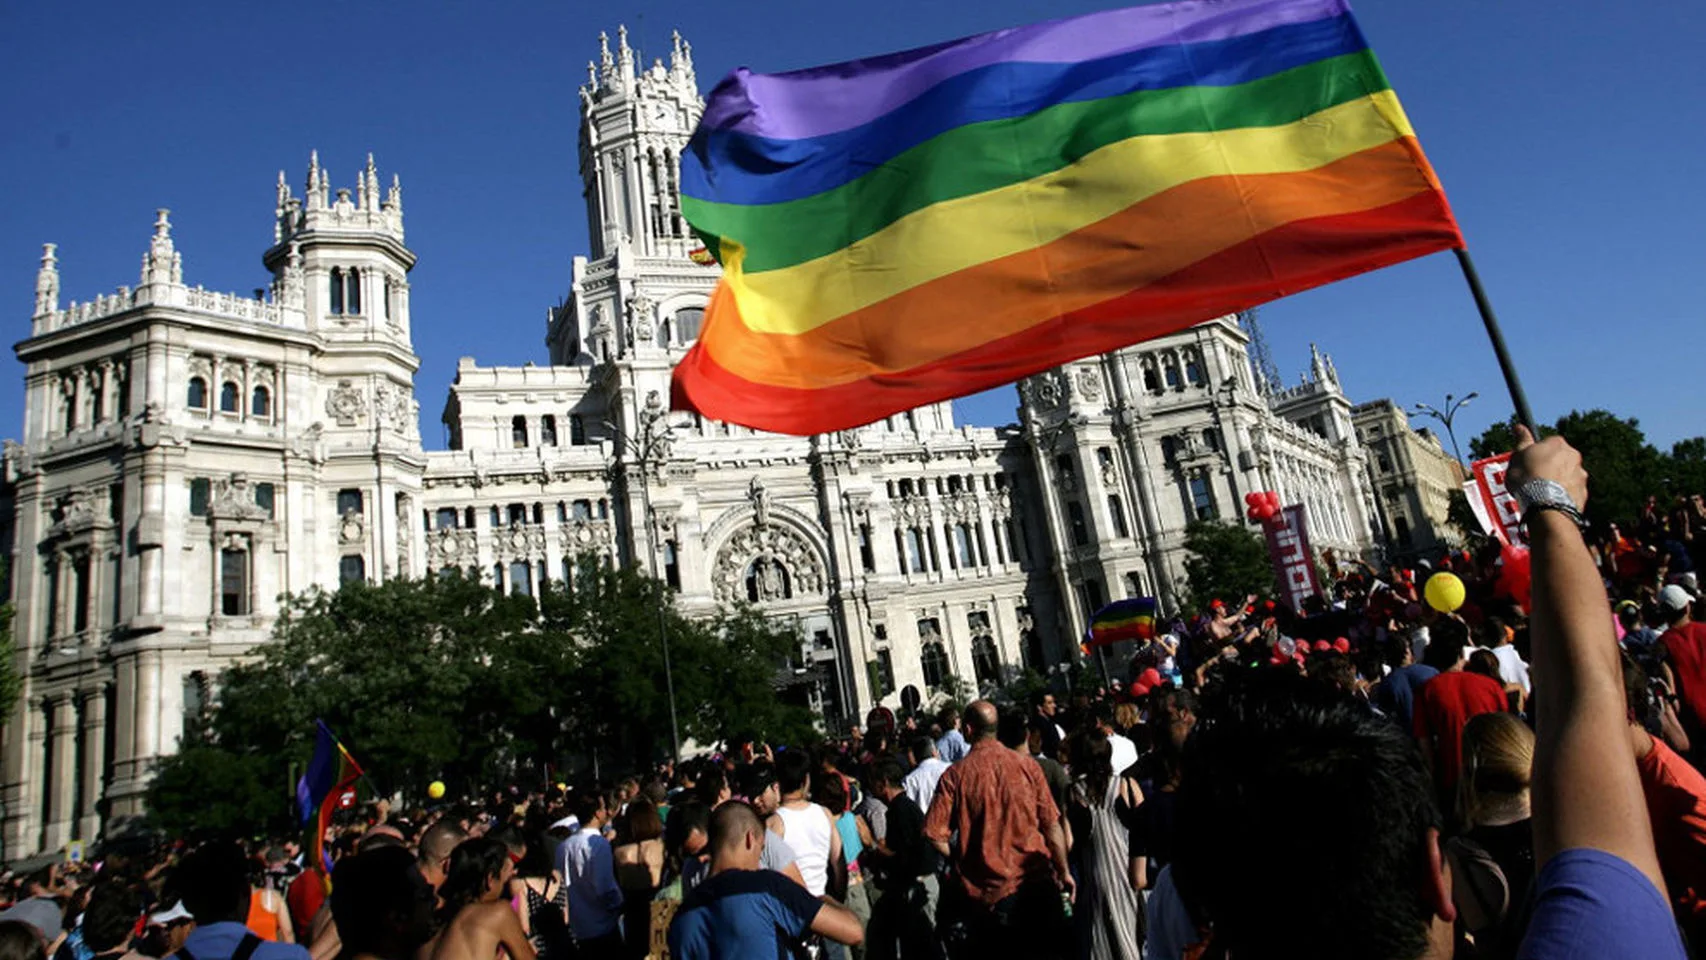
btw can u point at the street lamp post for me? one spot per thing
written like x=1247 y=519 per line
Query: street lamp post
x=652 y=445
x=1452 y=405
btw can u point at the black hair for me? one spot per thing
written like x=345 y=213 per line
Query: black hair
x=793 y=769
x=921 y=748
x=1271 y=743
x=381 y=903
x=755 y=778
x=886 y=771
x=474 y=864
x=830 y=792
x=110 y=916
x=20 y=941
x=733 y=821
x=683 y=820
x=709 y=785
x=585 y=806
x=1092 y=759
x=1012 y=729
x=1446 y=640
x=214 y=883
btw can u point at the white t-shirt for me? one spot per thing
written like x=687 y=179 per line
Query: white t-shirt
x=1511 y=667
x=1125 y=753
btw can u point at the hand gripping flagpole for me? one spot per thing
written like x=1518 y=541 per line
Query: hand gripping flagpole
x=1506 y=367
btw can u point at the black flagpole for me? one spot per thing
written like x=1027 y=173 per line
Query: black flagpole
x=1514 y=385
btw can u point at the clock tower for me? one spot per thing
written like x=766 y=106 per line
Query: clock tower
x=634 y=125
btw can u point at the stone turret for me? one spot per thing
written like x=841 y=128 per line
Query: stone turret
x=47 y=281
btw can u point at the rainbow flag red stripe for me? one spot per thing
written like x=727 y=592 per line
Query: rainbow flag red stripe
x=913 y=227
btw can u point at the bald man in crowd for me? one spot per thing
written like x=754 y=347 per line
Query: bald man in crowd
x=745 y=911
x=1008 y=844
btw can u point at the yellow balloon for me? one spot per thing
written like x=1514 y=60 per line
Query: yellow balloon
x=435 y=790
x=1444 y=592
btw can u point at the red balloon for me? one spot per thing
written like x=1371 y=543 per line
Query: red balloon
x=1342 y=645
x=1150 y=677
x=1139 y=690
x=1322 y=646
x=1516 y=578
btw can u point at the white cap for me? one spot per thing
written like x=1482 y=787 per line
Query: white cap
x=1674 y=599
x=165 y=917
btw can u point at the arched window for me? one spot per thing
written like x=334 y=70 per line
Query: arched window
x=352 y=295
x=548 y=430
x=915 y=549
x=260 y=403
x=577 y=430
x=518 y=431
x=1170 y=368
x=1193 y=368
x=933 y=658
x=197 y=394
x=963 y=548
x=687 y=322
x=336 y=286
x=228 y=402
x=985 y=662
x=1151 y=378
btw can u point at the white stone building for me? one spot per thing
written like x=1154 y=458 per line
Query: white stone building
x=188 y=456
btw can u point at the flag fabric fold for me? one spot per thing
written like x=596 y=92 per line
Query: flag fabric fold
x=910 y=228
x=1129 y=619
x=331 y=772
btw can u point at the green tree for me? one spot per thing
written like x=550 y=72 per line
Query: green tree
x=1226 y=561
x=445 y=679
x=1625 y=469
x=1685 y=468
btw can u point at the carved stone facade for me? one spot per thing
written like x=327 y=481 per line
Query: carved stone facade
x=188 y=456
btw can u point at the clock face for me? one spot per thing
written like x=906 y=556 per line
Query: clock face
x=663 y=116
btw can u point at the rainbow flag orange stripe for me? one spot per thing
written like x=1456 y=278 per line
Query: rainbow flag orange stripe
x=914 y=227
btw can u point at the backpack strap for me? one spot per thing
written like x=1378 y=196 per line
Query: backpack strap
x=247 y=948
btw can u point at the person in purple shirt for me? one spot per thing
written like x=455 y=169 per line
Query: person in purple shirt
x=1367 y=878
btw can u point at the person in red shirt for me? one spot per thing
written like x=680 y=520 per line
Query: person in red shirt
x=1676 y=799
x=1445 y=703
x=1685 y=641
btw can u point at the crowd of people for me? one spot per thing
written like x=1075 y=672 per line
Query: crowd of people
x=1368 y=777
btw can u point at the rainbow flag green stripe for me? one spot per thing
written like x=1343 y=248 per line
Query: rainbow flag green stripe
x=915 y=227
x=994 y=154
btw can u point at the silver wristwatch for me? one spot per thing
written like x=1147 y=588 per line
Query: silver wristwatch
x=1534 y=495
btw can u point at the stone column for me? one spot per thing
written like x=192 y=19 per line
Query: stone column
x=147 y=707
x=94 y=703
x=62 y=785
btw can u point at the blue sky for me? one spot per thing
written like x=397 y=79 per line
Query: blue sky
x=1569 y=140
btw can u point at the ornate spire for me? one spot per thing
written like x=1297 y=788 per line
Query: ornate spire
x=162 y=264
x=370 y=185
x=47 y=281
x=604 y=58
x=395 y=199
x=1317 y=369
x=624 y=53
x=681 y=54
x=316 y=188
x=591 y=75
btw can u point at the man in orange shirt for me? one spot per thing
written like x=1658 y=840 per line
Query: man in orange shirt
x=1009 y=845
x=1446 y=703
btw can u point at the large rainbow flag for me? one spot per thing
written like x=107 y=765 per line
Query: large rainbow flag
x=914 y=227
x=1130 y=619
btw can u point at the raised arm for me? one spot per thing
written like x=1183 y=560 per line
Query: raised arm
x=1586 y=790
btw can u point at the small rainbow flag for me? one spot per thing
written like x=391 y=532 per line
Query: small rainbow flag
x=332 y=772
x=913 y=227
x=1130 y=619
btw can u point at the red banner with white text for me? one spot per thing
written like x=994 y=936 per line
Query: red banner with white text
x=1294 y=561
